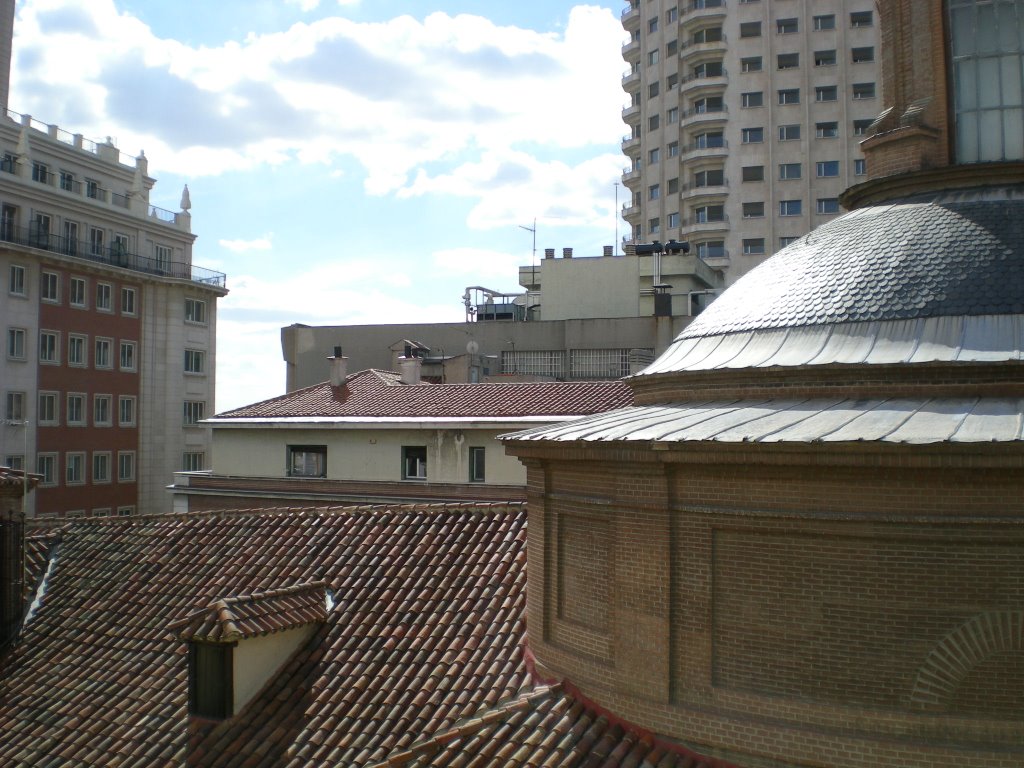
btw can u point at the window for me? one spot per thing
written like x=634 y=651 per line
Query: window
x=752 y=99
x=826 y=93
x=77 y=292
x=789 y=171
x=750 y=64
x=49 y=347
x=714 y=177
x=826 y=130
x=119 y=248
x=39 y=231
x=210 y=680
x=96 y=241
x=74 y=469
x=825 y=58
x=477 y=464
x=863 y=55
x=788 y=60
x=671 y=16
x=704 y=214
x=653 y=193
x=707 y=35
x=752 y=135
x=654 y=225
x=863 y=90
x=103 y=300
x=652 y=57
x=711 y=249
x=673 y=220
x=828 y=205
x=753 y=245
x=46 y=465
x=789 y=96
x=708 y=104
x=787 y=26
x=101 y=467
x=195 y=411
x=70 y=242
x=195 y=360
x=824 y=22
x=50 y=287
x=753 y=210
x=49 y=414
x=789 y=132
x=673 y=186
x=671 y=81
x=127 y=301
x=709 y=140
x=76 y=349
x=653 y=122
x=652 y=24
x=76 y=409
x=14 y=407
x=827 y=168
x=753 y=173
x=750 y=29
x=652 y=89
x=15 y=461
x=126 y=410
x=195 y=311
x=16 y=343
x=102 y=357
x=709 y=69
x=790 y=207
x=860 y=127
x=672 y=116
x=784 y=241
x=673 y=149
x=101 y=410
x=162 y=255
x=127 y=355
x=40 y=172
x=125 y=511
x=193 y=461
x=126 y=466
x=16 y=282
x=860 y=167
x=861 y=19
x=414 y=462
x=653 y=156
x=92 y=189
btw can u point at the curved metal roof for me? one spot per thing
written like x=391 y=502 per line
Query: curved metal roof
x=956 y=253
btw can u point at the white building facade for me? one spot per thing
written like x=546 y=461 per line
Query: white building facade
x=744 y=120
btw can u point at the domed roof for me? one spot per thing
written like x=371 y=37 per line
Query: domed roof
x=958 y=253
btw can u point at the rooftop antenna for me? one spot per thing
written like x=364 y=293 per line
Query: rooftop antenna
x=533 y=230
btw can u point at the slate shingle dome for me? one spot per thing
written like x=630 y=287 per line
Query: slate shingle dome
x=951 y=253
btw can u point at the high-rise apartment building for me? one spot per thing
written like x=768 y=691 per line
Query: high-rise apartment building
x=108 y=328
x=744 y=120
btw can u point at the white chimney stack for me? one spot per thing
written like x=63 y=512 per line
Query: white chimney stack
x=339 y=368
x=410 y=366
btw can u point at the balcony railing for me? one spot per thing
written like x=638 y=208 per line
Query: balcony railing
x=115 y=255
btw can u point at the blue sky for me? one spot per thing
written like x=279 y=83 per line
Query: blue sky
x=349 y=161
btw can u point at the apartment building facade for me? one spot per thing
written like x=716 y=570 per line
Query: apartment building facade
x=109 y=329
x=744 y=120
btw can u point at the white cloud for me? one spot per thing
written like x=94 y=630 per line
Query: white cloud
x=305 y=5
x=480 y=263
x=241 y=246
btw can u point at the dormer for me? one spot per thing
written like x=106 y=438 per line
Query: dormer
x=237 y=644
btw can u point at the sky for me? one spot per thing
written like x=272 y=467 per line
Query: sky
x=348 y=161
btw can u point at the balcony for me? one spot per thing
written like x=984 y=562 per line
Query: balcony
x=630 y=176
x=698 y=80
x=703 y=115
x=631 y=114
x=631 y=50
x=631 y=212
x=690 y=48
x=630 y=143
x=690 y=191
x=631 y=16
x=719 y=148
x=706 y=224
x=114 y=255
x=631 y=80
x=700 y=10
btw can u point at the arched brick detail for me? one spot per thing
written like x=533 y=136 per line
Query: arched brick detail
x=961 y=650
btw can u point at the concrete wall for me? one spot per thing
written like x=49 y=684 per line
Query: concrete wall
x=256 y=659
x=590 y=288
x=365 y=454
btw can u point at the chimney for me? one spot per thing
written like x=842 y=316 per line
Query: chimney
x=410 y=367
x=567 y=253
x=549 y=253
x=609 y=250
x=339 y=368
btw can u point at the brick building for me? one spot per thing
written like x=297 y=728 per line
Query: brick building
x=803 y=544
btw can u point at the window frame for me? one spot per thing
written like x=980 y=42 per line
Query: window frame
x=790 y=171
x=102 y=407
x=477 y=464
x=126 y=466
x=130 y=403
x=76 y=293
x=822 y=168
x=190 y=309
x=49 y=287
x=17 y=277
x=101 y=467
x=49 y=347
x=194 y=412
x=790 y=208
x=128 y=305
x=104 y=297
x=16 y=341
x=418 y=455
x=48 y=408
x=103 y=360
x=316 y=453
x=74 y=460
x=75 y=415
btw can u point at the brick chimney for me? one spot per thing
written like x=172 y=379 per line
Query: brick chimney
x=339 y=368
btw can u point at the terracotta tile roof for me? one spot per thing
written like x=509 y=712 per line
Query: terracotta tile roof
x=381 y=394
x=427 y=629
x=260 y=613
x=545 y=728
x=13 y=478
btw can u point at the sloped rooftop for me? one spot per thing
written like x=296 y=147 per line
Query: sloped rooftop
x=381 y=394
x=260 y=613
